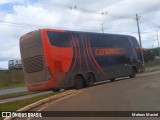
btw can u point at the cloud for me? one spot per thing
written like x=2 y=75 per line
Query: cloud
x=5 y=1
x=29 y=15
x=12 y=1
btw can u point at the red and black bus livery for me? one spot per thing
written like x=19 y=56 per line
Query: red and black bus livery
x=59 y=59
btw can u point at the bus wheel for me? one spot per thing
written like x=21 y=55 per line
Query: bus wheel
x=90 y=80
x=78 y=82
x=113 y=79
x=133 y=73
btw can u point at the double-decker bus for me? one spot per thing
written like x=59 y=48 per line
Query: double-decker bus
x=59 y=59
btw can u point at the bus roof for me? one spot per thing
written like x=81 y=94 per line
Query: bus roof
x=59 y=30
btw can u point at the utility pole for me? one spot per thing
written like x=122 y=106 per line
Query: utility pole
x=137 y=19
x=158 y=43
x=102 y=27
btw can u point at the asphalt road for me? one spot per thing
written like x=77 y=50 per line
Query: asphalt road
x=24 y=97
x=136 y=94
x=13 y=90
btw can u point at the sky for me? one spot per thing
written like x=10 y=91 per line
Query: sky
x=18 y=17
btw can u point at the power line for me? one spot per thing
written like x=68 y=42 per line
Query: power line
x=40 y=26
x=61 y=5
x=26 y=25
x=64 y=6
x=83 y=10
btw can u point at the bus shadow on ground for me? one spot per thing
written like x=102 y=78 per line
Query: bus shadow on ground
x=105 y=82
x=109 y=81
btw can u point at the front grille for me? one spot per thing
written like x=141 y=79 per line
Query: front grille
x=34 y=64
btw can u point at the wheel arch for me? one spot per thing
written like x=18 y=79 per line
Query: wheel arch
x=90 y=72
x=79 y=74
x=134 y=67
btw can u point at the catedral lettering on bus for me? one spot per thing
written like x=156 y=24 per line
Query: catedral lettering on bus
x=59 y=59
x=109 y=51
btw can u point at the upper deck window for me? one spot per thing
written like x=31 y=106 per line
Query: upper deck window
x=109 y=41
x=59 y=39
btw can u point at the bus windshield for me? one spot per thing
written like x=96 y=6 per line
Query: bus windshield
x=137 y=48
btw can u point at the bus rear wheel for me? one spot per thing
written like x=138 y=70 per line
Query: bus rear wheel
x=90 y=79
x=78 y=82
x=133 y=73
x=113 y=79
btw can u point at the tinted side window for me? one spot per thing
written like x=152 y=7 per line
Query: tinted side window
x=59 y=39
x=109 y=41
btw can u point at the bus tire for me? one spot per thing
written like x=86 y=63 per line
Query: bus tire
x=78 y=82
x=133 y=73
x=90 y=79
x=112 y=80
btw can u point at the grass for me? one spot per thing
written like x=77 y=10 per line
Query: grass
x=2 y=86
x=15 y=95
x=153 y=70
x=152 y=64
x=11 y=79
x=15 y=105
